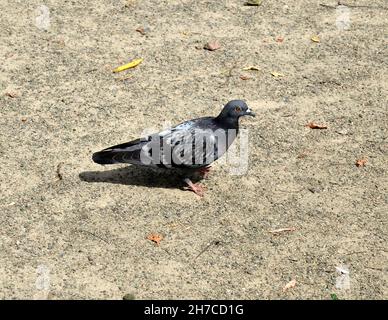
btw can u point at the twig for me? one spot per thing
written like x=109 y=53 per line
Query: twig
x=289 y=191
x=59 y=174
x=356 y=252
x=328 y=6
x=91 y=70
x=215 y=243
x=378 y=269
x=339 y=3
x=281 y=230
x=94 y=235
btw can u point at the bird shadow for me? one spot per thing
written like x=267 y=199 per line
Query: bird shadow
x=136 y=176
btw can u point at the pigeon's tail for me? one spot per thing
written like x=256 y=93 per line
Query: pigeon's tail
x=105 y=157
x=123 y=153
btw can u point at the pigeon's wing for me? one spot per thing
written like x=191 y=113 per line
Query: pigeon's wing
x=192 y=144
x=147 y=151
x=129 y=152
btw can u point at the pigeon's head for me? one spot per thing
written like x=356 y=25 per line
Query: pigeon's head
x=235 y=109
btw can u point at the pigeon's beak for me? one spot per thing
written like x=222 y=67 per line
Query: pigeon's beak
x=249 y=113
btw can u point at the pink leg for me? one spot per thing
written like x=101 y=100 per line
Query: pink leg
x=204 y=172
x=195 y=187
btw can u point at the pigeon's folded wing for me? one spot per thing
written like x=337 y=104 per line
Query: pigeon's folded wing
x=192 y=144
x=129 y=152
x=188 y=146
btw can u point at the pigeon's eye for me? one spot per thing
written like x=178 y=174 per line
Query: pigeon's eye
x=237 y=109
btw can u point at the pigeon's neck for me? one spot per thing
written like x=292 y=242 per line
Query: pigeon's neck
x=227 y=122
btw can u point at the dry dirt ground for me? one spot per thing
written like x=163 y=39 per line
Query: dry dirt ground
x=71 y=229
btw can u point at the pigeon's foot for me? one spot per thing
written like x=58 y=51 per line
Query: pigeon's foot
x=195 y=187
x=204 y=172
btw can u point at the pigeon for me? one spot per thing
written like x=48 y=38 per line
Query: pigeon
x=191 y=146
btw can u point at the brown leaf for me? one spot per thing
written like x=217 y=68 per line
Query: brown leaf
x=361 y=162
x=244 y=77
x=141 y=30
x=313 y=125
x=279 y=39
x=212 y=45
x=289 y=285
x=281 y=230
x=11 y=94
x=155 y=238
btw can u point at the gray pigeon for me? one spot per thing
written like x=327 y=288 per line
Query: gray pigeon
x=190 y=146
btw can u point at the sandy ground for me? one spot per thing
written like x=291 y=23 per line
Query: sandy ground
x=84 y=235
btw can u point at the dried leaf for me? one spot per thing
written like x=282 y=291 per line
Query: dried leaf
x=155 y=238
x=361 y=162
x=289 y=285
x=244 y=77
x=281 y=230
x=315 y=39
x=313 y=125
x=129 y=65
x=141 y=30
x=253 y=2
x=279 y=39
x=254 y=68
x=11 y=94
x=212 y=45
x=277 y=74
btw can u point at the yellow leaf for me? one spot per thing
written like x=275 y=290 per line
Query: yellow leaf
x=253 y=2
x=255 y=68
x=129 y=65
x=277 y=74
x=315 y=39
